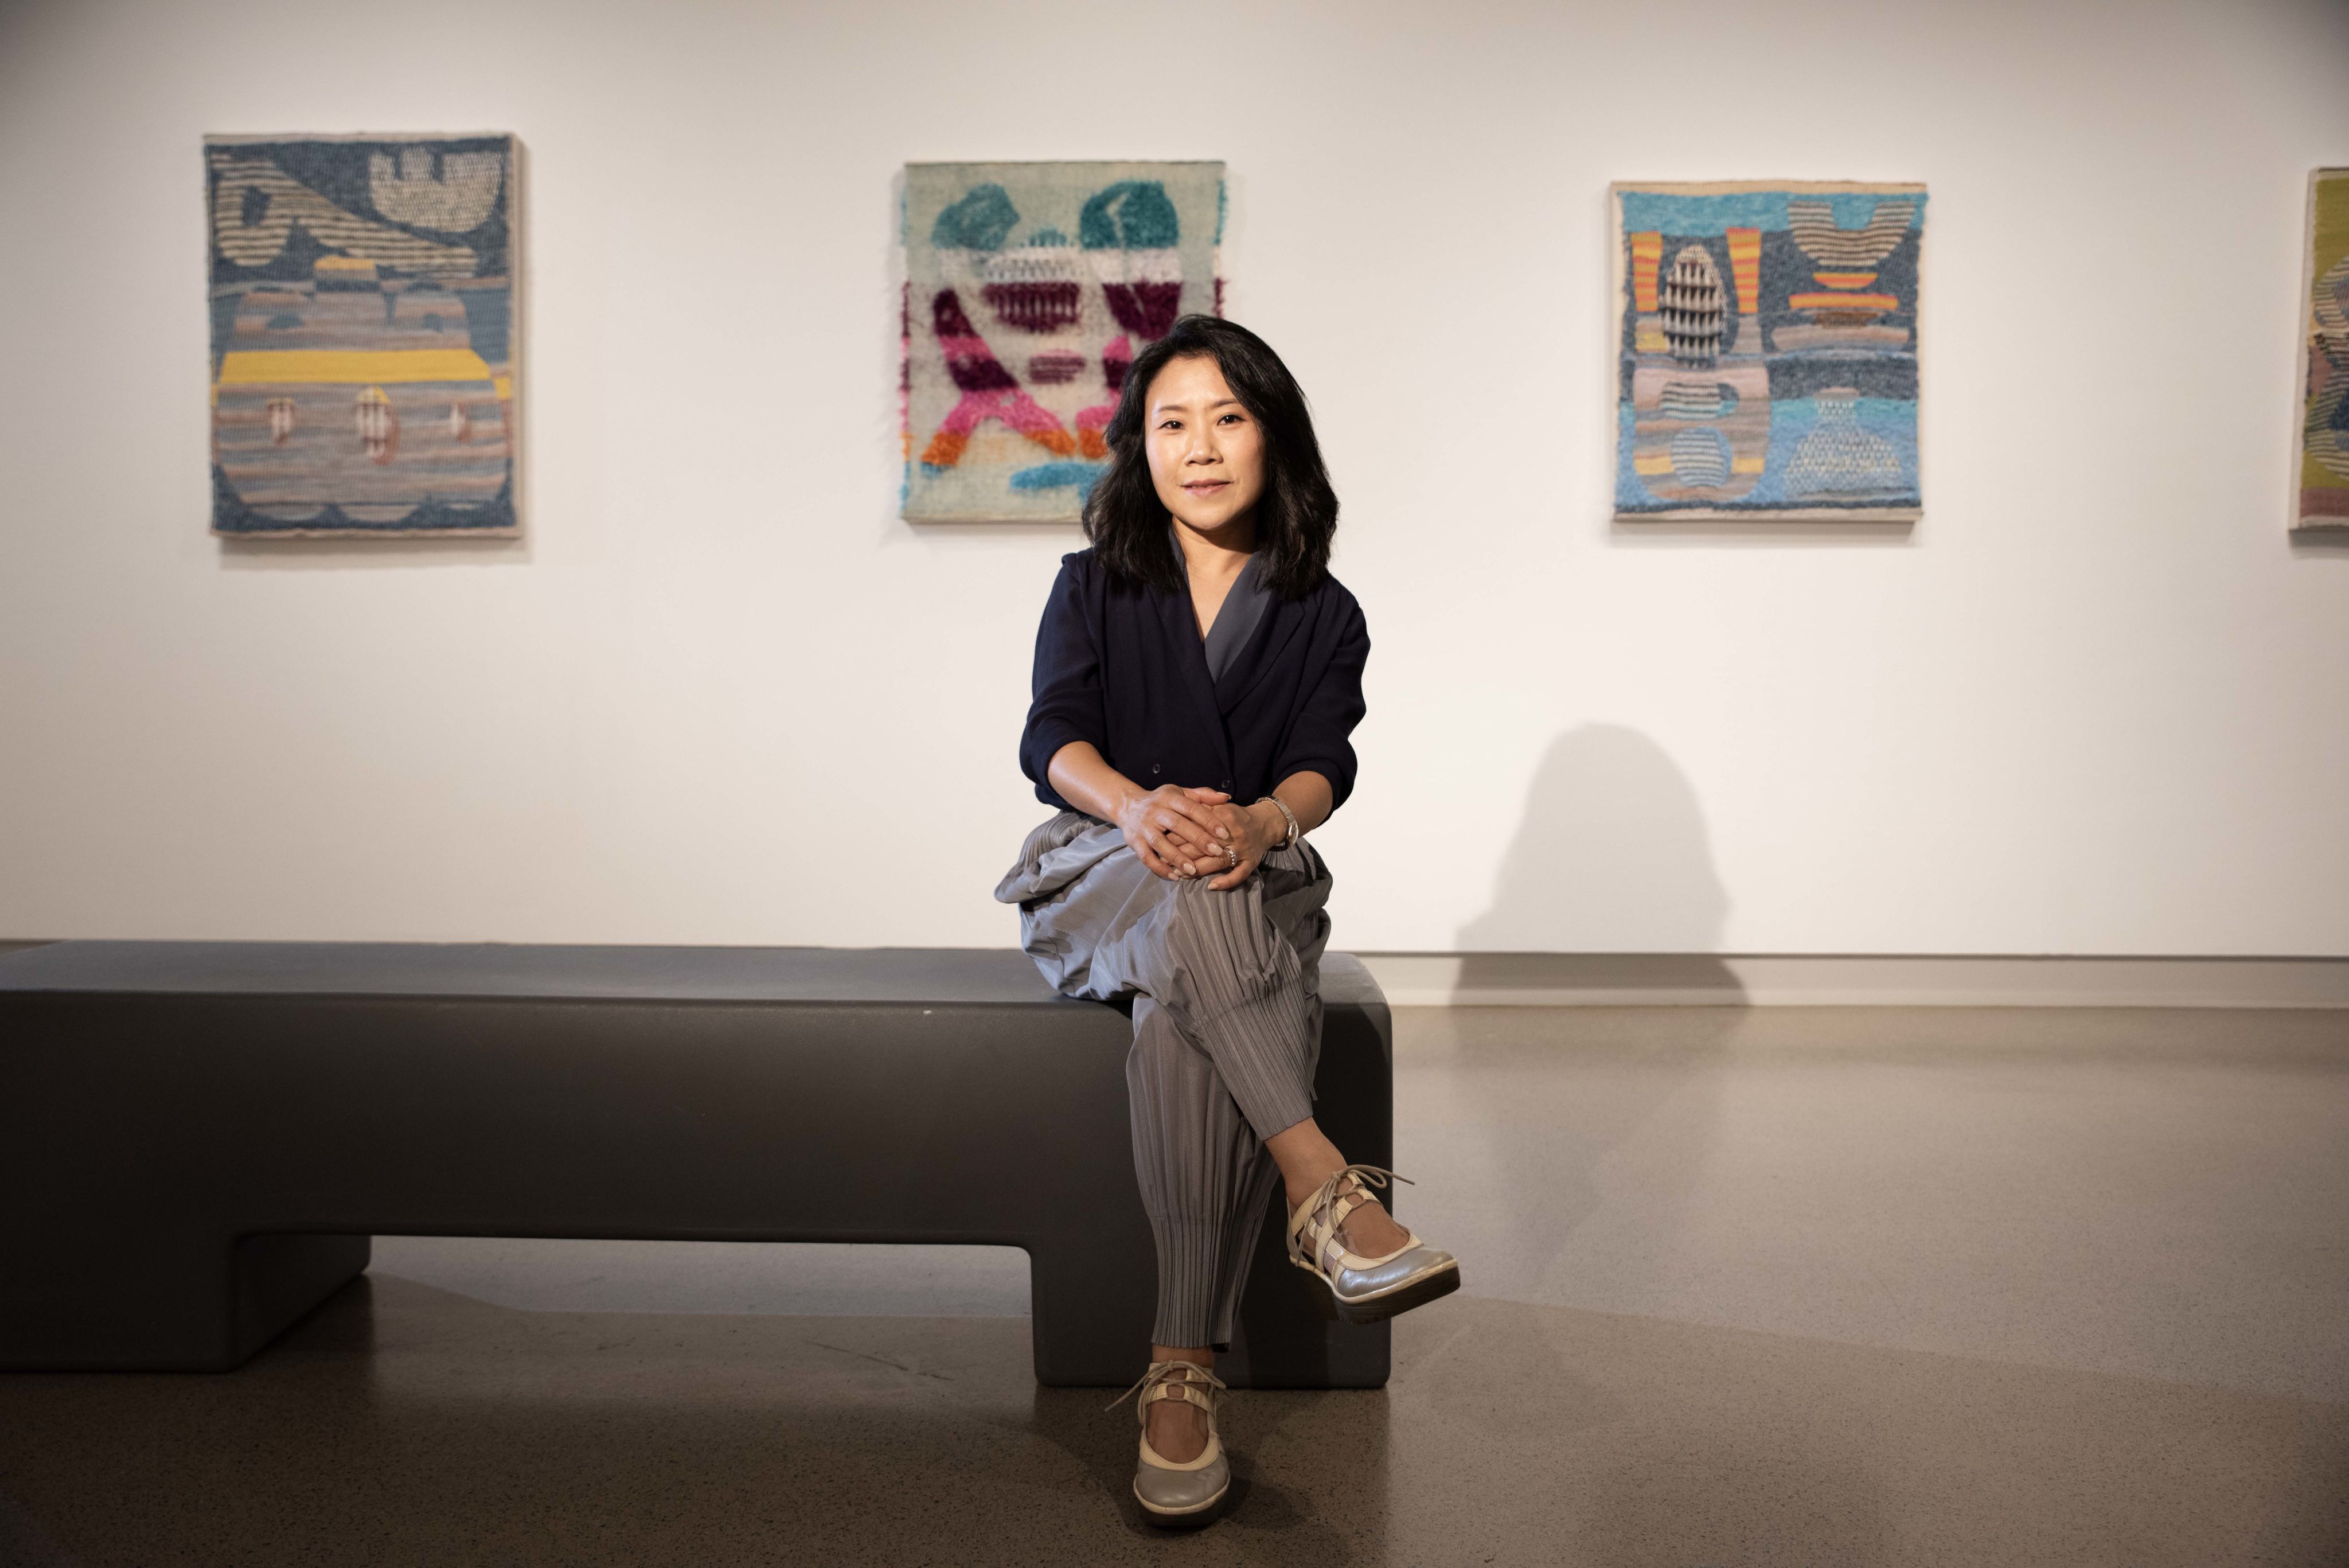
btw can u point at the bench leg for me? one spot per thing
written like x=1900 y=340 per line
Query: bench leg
x=1092 y=1298
x=122 y=1303
x=280 y=1279
x=1282 y=1340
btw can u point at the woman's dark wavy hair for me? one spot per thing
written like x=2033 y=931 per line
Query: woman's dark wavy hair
x=1296 y=515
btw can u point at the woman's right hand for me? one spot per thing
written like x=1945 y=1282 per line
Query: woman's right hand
x=1176 y=832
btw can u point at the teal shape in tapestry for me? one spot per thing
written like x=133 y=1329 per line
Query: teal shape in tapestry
x=981 y=221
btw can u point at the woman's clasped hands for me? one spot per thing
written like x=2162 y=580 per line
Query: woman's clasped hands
x=1182 y=833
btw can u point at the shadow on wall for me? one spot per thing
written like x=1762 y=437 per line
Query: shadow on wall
x=1609 y=886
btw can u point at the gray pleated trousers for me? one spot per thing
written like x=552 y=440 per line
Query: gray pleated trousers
x=1226 y=1031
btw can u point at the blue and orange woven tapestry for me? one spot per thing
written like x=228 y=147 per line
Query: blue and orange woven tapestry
x=1767 y=352
x=363 y=336
x=2322 y=481
x=1030 y=288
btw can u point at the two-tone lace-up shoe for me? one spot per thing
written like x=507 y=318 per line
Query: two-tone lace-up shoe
x=1365 y=1290
x=1185 y=1495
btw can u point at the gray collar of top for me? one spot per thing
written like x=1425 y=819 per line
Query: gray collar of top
x=1243 y=608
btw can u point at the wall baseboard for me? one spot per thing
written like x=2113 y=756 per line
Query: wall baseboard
x=1705 y=979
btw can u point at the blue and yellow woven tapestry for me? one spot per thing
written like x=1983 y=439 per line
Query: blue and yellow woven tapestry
x=363 y=336
x=1029 y=287
x=2322 y=480
x=1767 y=352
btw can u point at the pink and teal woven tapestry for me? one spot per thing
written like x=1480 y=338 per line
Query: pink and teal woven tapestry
x=1766 y=350
x=1030 y=288
x=363 y=336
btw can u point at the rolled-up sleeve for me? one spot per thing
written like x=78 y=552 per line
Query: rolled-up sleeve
x=1066 y=690
x=1317 y=739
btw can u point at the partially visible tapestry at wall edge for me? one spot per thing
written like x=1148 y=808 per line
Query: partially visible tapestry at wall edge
x=2321 y=471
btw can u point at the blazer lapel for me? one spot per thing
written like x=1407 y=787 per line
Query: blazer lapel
x=1182 y=627
x=1283 y=621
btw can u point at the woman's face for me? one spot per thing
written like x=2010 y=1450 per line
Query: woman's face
x=1206 y=452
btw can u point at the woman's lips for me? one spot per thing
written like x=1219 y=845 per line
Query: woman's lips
x=1206 y=487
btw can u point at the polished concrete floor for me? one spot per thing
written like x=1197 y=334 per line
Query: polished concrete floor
x=1835 y=1286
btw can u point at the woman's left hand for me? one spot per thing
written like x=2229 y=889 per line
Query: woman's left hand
x=1251 y=841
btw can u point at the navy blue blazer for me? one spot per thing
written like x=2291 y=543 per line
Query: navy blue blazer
x=1124 y=667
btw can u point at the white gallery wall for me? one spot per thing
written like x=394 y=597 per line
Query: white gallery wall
x=2097 y=702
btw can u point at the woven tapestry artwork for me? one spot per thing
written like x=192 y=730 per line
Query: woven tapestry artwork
x=1029 y=287
x=2323 y=478
x=1767 y=352
x=363 y=336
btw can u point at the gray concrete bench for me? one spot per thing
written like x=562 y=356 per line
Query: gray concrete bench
x=197 y=1139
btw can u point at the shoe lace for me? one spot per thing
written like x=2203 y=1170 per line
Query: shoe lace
x=1322 y=1214
x=1179 y=1380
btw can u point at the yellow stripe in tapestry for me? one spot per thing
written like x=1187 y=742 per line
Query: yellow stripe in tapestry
x=352 y=365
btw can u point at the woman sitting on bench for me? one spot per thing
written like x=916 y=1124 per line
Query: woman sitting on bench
x=1198 y=672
